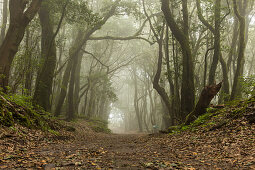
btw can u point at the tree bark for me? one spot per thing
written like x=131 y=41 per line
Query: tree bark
x=188 y=89
x=170 y=79
x=236 y=89
x=20 y=16
x=225 y=89
x=216 y=41
x=77 y=84
x=205 y=98
x=177 y=99
x=4 y=20
x=217 y=48
x=137 y=110
x=161 y=91
x=71 y=102
x=43 y=87
x=63 y=90
x=232 y=49
x=28 y=66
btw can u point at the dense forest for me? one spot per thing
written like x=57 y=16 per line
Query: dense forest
x=137 y=66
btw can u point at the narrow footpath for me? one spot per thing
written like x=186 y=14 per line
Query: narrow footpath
x=227 y=148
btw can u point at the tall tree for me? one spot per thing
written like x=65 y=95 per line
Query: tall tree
x=21 y=13
x=236 y=89
x=136 y=102
x=217 y=55
x=48 y=58
x=216 y=32
x=73 y=54
x=182 y=36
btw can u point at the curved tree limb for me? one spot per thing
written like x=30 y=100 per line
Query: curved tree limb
x=107 y=67
x=134 y=36
x=202 y=19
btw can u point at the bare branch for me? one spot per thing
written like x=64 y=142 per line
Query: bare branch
x=96 y=59
x=132 y=37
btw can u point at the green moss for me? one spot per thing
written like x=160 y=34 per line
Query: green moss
x=183 y=128
x=177 y=129
x=99 y=125
x=202 y=119
x=53 y=132
x=19 y=109
x=215 y=118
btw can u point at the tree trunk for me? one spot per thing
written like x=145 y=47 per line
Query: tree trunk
x=28 y=66
x=20 y=16
x=188 y=89
x=224 y=96
x=145 y=111
x=236 y=89
x=90 y=103
x=77 y=84
x=75 y=49
x=170 y=79
x=60 y=70
x=71 y=105
x=43 y=87
x=102 y=106
x=136 y=105
x=4 y=20
x=161 y=91
x=86 y=99
x=63 y=90
x=177 y=100
x=205 y=98
x=216 y=41
x=232 y=49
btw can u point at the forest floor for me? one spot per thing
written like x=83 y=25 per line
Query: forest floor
x=229 y=147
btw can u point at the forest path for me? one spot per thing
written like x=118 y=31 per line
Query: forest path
x=224 y=149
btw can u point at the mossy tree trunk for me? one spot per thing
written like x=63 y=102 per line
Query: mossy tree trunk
x=43 y=87
x=217 y=21
x=205 y=98
x=217 y=55
x=77 y=84
x=63 y=90
x=28 y=65
x=20 y=16
x=182 y=36
x=236 y=89
x=73 y=76
x=170 y=79
x=177 y=100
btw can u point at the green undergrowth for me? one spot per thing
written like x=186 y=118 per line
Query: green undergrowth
x=97 y=124
x=18 y=109
x=216 y=118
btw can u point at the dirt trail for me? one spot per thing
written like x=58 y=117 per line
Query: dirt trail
x=222 y=149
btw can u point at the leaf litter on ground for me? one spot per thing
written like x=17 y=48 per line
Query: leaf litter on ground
x=231 y=146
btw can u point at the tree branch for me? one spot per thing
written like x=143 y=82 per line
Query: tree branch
x=202 y=19
x=134 y=36
x=107 y=67
x=121 y=38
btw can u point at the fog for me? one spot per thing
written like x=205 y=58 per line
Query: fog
x=138 y=65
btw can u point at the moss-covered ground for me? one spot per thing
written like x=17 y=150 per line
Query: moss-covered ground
x=217 y=117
